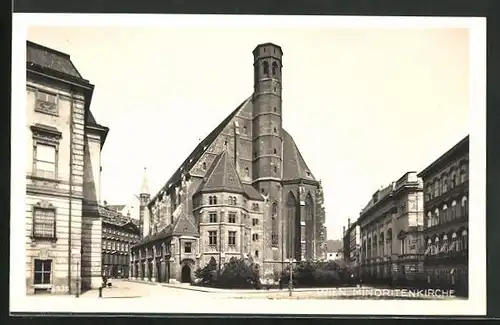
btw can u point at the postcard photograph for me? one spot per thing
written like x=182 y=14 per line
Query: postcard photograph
x=308 y=165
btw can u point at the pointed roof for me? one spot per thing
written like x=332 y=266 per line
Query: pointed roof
x=184 y=226
x=222 y=176
x=294 y=165
x=145 y=184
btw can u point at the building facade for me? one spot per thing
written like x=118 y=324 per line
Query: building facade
x=352 y=245
x=391 y=228
x=244 y=191
x=63 y=240
x=119 y=234
x=446 y=183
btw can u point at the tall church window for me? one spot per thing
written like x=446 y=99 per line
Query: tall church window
x=291 y=217
x=265 y=66
x=274 y=225
x=308 y=231
x=275 y=68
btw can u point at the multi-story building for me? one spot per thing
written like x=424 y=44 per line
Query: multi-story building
x=63 y=235
x=245 y=190
x=446 y=183
x=391 y=228
x=352 y=244
x=119 y=234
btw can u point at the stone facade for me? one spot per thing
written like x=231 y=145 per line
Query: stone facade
x=352 y=245
x=119 y=234
x=446 y=183
x=64 y=145
x=278 y=204
x=391 y=231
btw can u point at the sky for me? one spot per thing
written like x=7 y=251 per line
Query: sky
x=364 y=105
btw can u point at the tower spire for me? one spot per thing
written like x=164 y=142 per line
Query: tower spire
x=145 y=183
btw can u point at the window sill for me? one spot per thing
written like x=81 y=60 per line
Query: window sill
x=43 y=178
x=35 y=239
x=42 y=286
x=47 y=111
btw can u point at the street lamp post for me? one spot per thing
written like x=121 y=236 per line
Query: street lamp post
x=290 y=282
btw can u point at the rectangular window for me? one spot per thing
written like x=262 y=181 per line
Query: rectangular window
x=187 y=247
x=44 y=223
x=213 y=217
x=231 y=238
x=255 y=222
x=231 y=217
x=45 y=161
x=43 y=271
x=212 y=237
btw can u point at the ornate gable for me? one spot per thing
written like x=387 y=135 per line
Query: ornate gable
x=222 y=177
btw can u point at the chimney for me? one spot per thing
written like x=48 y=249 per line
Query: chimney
x=348 y=223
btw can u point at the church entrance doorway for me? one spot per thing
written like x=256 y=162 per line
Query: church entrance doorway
x=186 y=274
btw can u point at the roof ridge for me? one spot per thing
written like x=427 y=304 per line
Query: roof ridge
x=206 y=142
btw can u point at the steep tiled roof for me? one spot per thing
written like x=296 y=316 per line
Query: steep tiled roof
x=145 y=183
x=252 y=193
x=294 y=166
x=164 y=233
x=222 y=176
x=193 y=158
x=49 y=58
x=184 y=226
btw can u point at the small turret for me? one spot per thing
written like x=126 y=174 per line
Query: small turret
x=144 y=198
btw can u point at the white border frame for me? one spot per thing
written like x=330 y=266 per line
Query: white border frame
x=475 y=305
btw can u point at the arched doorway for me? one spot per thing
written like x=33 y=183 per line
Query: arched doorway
x=186 y=274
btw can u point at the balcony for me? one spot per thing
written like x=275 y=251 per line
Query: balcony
x=448 y=257
x=410 y=257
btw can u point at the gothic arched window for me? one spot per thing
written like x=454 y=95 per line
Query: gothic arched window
x=291 y=216
x=265 y=66
x=204 y=166
x=275 y=68
x=247 y=172
x=274 y=225
x=453 y=210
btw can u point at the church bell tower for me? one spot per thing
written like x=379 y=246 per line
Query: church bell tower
x=267 y=141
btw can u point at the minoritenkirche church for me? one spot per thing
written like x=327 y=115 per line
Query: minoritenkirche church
x=245 y=191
